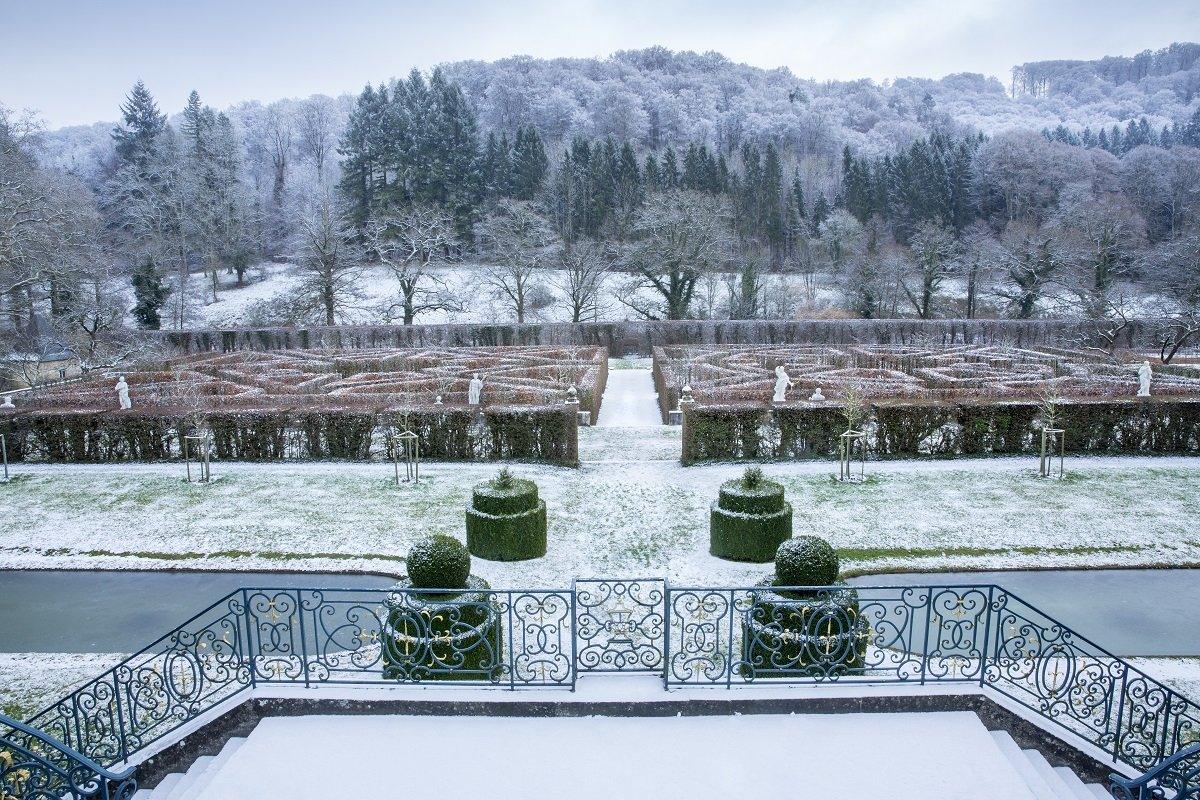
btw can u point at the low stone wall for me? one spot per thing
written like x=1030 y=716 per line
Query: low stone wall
x=547 y=434
x=939 y=429
x=640 y=337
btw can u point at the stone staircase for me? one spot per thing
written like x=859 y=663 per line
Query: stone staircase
x=1044 y=781
x=190 y=785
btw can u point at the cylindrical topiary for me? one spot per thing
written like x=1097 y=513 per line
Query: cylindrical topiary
x=811 y=633
x=750 y=519
x=506 y=521
x=451 y=633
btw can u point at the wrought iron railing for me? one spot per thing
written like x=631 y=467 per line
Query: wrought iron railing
x=34 y=765
x=687 y=636
x=1177 y=778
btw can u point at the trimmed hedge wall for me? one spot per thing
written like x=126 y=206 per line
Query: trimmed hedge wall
x=641 y=336
x=905 y=430
x=543 y=433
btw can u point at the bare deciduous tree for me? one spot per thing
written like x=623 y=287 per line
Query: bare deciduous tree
x=328 y=262
x=317 y=126
x=411 y=244
x=582 y=270
x=515 y=239
x=678 y=236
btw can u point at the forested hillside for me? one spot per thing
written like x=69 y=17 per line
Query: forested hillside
x=649 y=183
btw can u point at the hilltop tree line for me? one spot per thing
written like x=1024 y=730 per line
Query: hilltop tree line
x=418 y=174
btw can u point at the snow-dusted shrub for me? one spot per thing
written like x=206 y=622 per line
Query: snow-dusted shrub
x=446 y=635
x=803 y=633
x=806 y=561
x=438 y=562
x=506 y=521
x=749 y=519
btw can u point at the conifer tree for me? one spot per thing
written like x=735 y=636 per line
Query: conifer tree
x=141 y=125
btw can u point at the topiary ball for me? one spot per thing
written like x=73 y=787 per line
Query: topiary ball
x=806 y=561
x=438 y=562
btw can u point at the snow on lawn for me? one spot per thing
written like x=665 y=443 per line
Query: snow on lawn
x=31 y=681
x=614 y=518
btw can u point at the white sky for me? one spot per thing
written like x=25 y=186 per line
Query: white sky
x=73 y=61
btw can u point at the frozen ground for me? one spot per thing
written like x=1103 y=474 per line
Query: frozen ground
x=612 y=517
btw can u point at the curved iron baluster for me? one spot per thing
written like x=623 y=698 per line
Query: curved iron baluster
x=1179 y=775
x=36 y=766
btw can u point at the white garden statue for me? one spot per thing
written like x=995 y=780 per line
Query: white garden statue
x=8 y=403
x=474 y=390
x=782 y=384
x=1144 y=375
x=122 y=390
x=817 y=396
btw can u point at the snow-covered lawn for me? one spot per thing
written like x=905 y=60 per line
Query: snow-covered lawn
x=31 y=681
x=613 y=518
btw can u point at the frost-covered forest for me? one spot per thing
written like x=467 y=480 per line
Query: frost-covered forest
x=649 y=184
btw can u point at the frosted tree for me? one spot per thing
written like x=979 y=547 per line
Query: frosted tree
x=412 y=244
x=316 y=126
x=321 y=246
x=581 y=272
x=515 y=241
x=677 y=237
x=932 y=255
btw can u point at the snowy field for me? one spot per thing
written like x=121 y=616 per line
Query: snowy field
x=613 y=517
x=376 y=289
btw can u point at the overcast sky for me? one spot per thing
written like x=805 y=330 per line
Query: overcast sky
x=74 y=61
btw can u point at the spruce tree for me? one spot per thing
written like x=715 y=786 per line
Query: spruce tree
x=529 y=164
x=141 y=124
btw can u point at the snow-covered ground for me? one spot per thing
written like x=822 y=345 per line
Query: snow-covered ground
x=630 y=400
x=31 y=681
x=614 y=519
x=376 y=290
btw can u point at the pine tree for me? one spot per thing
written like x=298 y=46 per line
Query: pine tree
x=362 y=168
x=820 y=213
x=150 y=293
x=1190 y=135
x=670 y=169
x=653 y=176
x=529 y=164
x=141 y=124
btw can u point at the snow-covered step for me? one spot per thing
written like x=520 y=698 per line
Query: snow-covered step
x=1024 y=767
x=165 y=786
x=1098 y=792
x=189 y=778
x=197 y=785
x=1050 y=775
x=1079 y=790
